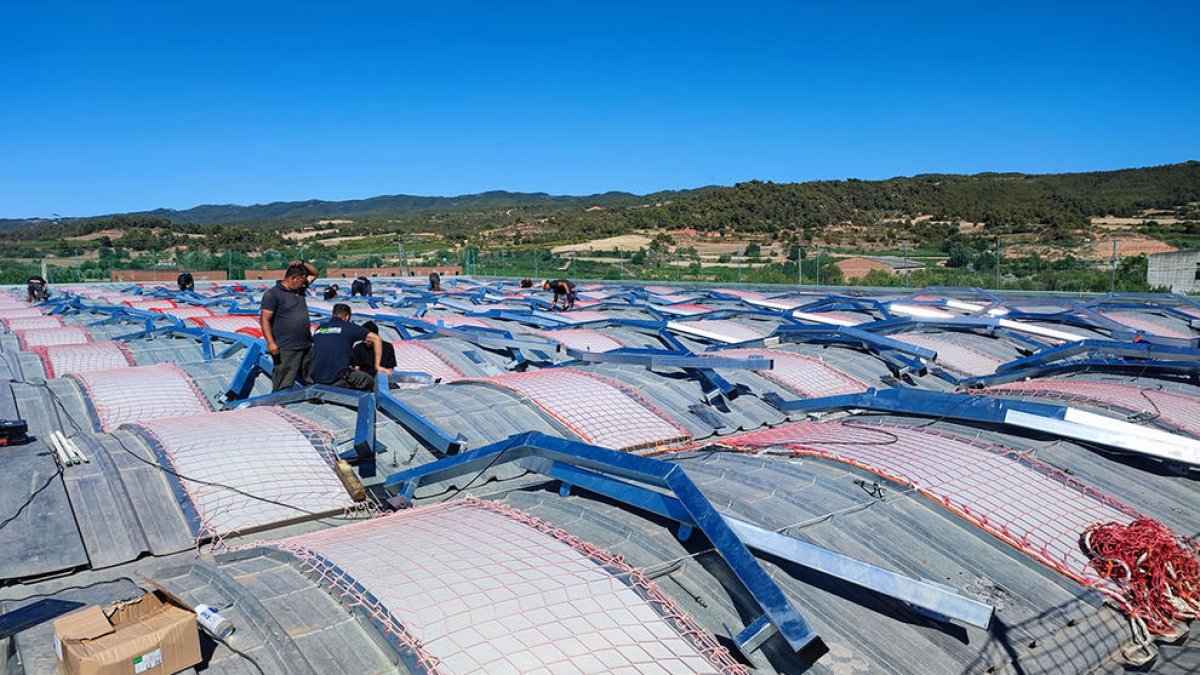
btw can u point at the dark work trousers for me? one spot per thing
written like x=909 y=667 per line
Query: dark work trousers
x=355 y=379
x=290 y=365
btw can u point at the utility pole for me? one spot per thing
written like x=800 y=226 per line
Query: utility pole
x=535 y=263
x=906 y=263
x=818 y=265
x=738 y=253
x=799 y=265
x=1112 y=284
x=229 y=271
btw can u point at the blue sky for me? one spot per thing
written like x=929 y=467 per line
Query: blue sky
x=119 y=106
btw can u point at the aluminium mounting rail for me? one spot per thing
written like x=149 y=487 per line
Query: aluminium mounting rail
x=1048 y=418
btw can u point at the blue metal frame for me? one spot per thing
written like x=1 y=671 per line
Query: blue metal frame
x=413 y=421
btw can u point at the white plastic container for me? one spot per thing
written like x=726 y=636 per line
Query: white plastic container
x=212 y=622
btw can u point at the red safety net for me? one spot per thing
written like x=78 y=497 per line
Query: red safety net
x=246 y=469
x=687 y=309
x=122 y=395
x=1028 y=504
x=1177 y=410
x=45 y=337
x=1148 y=324
x=475 y=587
x=599 y=410
x=953 y=355
x=156 y=303
x=412 y=356
x=228 y=323
x=582 y=339
x=183 y=312
x=20 y=311
x=454 y=321
x=1158 y=570
x=803 y=375
x=59 y=360
x=33 y=323
x=583 y=316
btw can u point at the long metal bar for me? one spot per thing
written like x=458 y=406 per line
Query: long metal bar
x=362 y=402
x=413 y=421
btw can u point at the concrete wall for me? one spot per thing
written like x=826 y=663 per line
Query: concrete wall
x=162 y=275
x=1176 y=270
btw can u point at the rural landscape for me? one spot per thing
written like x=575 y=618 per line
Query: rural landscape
x=1061 y=232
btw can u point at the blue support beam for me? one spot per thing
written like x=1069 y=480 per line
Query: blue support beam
x=774 y=604
x=413 y=421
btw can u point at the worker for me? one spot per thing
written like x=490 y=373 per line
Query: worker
x=360 y=286
x=331 y=292
x=435 y=281
x=185 y=281
x=527 y=283
x=37 y=289
x=285 y=325
x=333 y=344
x=363 y=355
x=562 y=288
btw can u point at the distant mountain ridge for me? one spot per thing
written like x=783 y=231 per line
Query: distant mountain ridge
x=382 y=206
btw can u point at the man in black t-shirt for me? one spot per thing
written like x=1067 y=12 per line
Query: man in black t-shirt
x=360 y=286
x=285 y=325
x=331 y=292
x=333 y=343
x=185 y=281
x=562 y=288
x=363 y=355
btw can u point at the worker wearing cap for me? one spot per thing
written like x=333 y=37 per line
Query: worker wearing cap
x=285 y=325
x=333 y=346
x=562 y=288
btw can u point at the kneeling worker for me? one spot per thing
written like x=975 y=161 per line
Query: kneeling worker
x=333 y=343
x=363 y=356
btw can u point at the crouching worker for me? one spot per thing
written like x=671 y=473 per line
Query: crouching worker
x=333 y=344
x=363 y=356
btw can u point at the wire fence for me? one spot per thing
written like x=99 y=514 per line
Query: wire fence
x=1084 y=270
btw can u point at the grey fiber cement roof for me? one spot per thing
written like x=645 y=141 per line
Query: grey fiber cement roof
x=1044 y=622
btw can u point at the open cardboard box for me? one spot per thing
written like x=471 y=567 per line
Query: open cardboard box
x=149 y=634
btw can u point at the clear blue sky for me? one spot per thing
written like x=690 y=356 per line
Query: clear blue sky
x=118 y=106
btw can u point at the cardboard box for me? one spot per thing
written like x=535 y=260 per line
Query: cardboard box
x=145 y=636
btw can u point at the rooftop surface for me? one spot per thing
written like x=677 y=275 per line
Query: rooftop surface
x=666 y=479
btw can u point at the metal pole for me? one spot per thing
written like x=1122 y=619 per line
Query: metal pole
x=535 y=263
x=799 y=266
x=818 y=265
x=906 y=263
x=1112 y=284
x=997 y=262
x=229 y=272
x=738 y=253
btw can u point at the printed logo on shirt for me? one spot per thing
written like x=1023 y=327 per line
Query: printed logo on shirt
x=329 y=330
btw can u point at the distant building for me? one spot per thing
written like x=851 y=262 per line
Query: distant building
x=857 y=267
x=1180 y=271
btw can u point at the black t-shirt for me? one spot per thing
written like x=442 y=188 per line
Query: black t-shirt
x=561 y=287
x=330 y=293
x=364 y=357
x=289 y=324
x=332 y=344
x=185 y=281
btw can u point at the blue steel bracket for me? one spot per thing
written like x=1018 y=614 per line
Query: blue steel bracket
x=690 y=505
x=1137 y=368
x=254 y=361
x=365 y=445
x=1136 y=350
x=416 y=424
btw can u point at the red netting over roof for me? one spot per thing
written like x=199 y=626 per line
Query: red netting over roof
x=1178 y=410
x=953 y=355
x=583 y=316
x=156 y=303
x=33 y=322
x=475 y=587
x=20 y=311
x=60 y=360
x=229 y=323
x=582 y=339
x=453 y=321
x=411 y=355
x=687 y=309
x=1024 y=502
x=601 y=411
x=802 y=374
x=183 y=312
x=241 y=458
x=723 y=330
x=1148 y=324
x=45 y=337
x=140 y=393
